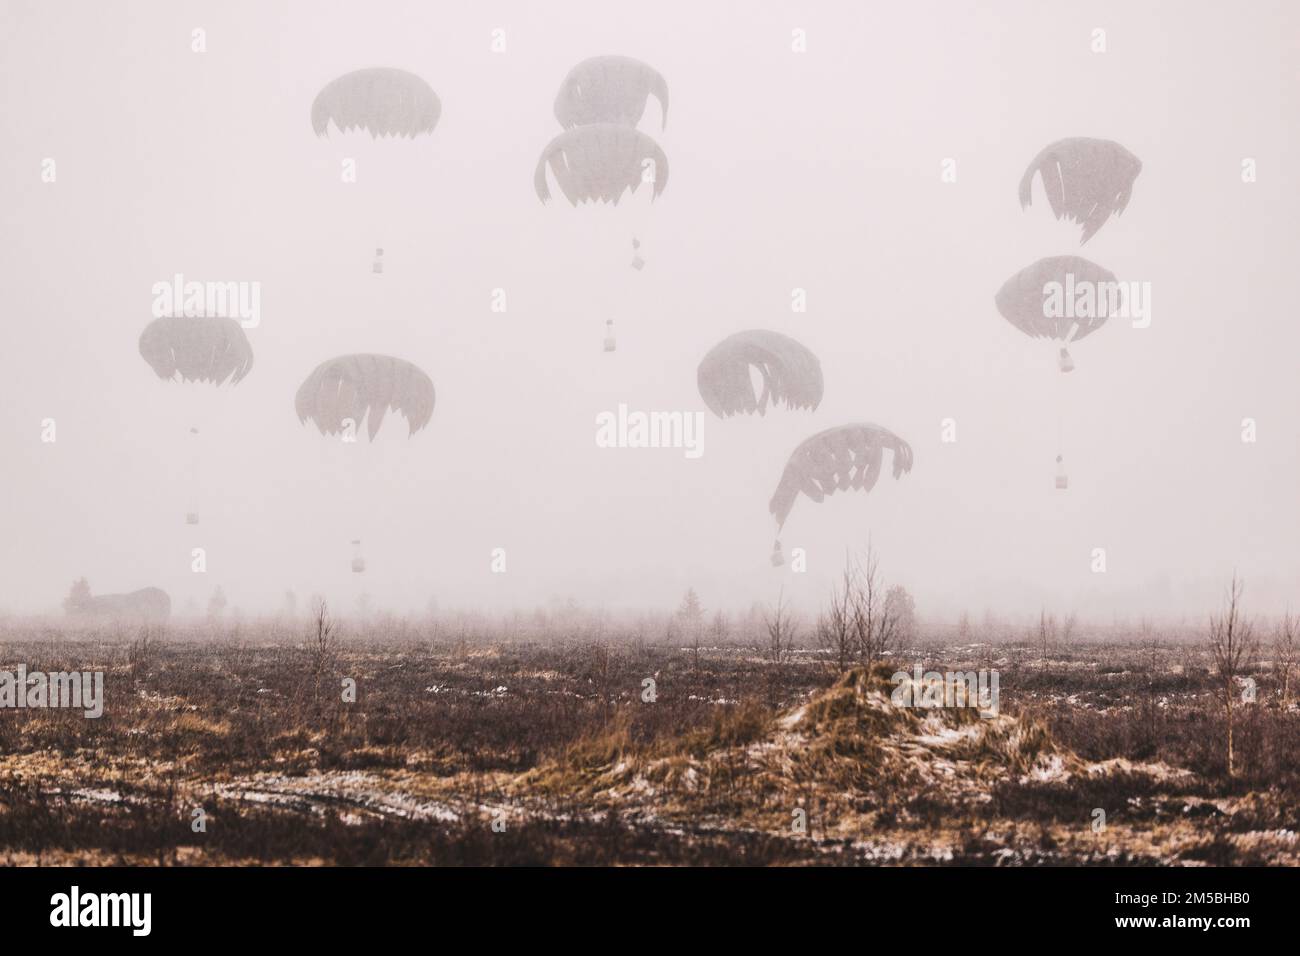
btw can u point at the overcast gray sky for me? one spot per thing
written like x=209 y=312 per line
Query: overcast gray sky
x=816 y=170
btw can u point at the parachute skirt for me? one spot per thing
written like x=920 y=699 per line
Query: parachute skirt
x=205 y=349
x=1022 y=300
x=600 y=163
x=1086 y=180
x=791 y=374
x=364 y=388
x=609 y=89
x=846 y=458
x=382 y=101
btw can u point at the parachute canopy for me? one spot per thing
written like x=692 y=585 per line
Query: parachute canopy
x=838 y=459
x=364 y=388
x=381 y=100
x=609 y=89
x=1086 y=180
x=210 y=349
x=600 y=163
x=1026 y=301
x=791 y=374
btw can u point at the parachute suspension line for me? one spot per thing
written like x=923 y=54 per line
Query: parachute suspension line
x=361 y=471
x=350 y=453
x=379 y=219
x=192 y=503
x=335 y=471
x=202 y=412
x=641 y=218
x=605 y=158
x=631 y=285
x=326 y=473
x=352 y=464
x=1062 y=480
x=1060 y=417
x=192 y=351
x=346 y=398
x=1064 y=361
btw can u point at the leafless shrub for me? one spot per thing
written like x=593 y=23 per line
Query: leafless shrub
x=1284 y=649
x=877 y=624
x=690 y=617
x=322 y=645
x=860 y=624
x=781 y=630
x=142 y=651
x=720 y=628
x=1232 y=645
x=902 y=607
x=1046 y=632
x=836 y=632
x=1151 y=658
x=601 y=677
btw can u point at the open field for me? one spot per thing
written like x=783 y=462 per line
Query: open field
x=480 y=751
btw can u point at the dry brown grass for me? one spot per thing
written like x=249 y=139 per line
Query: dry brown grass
x=588 y=772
